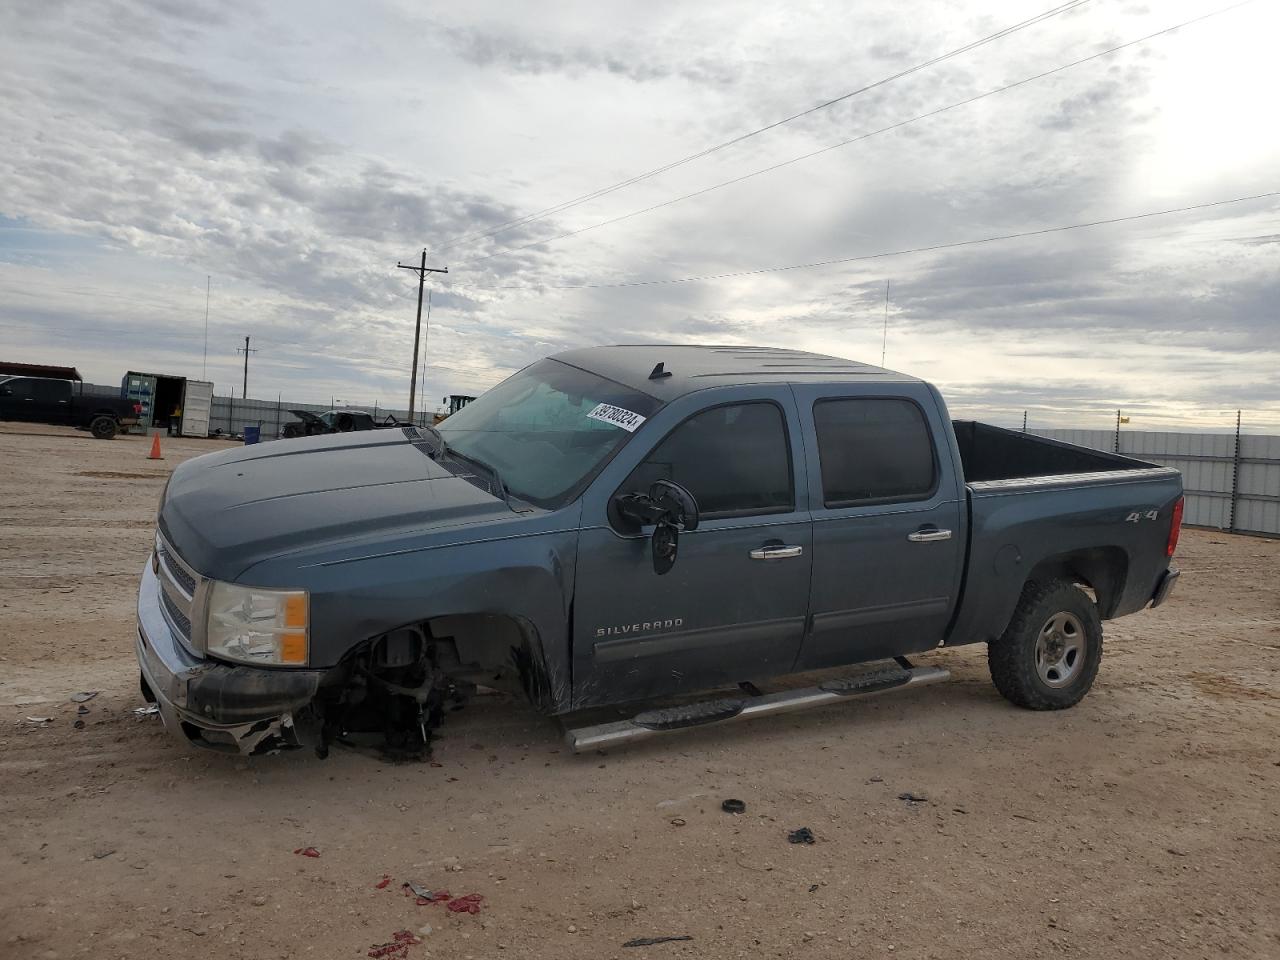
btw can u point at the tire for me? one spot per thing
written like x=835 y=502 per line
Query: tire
x=103 y=428
x=291 y=430
x=1032 y=664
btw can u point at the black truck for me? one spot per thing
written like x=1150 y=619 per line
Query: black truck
x=641 y=523
x=44 y=400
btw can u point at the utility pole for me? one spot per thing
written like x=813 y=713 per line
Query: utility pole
x=422 y=270
x=244 y=390
x=204 y=362
x=884 y=342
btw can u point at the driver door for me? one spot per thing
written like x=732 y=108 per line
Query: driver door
x=735 y=603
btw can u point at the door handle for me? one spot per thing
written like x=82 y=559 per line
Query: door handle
x=929 y=535
x=776 y=552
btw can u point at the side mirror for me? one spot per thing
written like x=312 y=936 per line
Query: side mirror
x=670 y=508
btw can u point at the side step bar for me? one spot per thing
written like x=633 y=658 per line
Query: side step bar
x=651 y=723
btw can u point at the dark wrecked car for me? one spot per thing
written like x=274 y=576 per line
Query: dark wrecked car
x=331 y=421
x=626 y=524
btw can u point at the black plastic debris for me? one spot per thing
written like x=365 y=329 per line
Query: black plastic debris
x=650 y=941
x=803 y=835
x=813 y=887
x=913 y=797
x=733 y=806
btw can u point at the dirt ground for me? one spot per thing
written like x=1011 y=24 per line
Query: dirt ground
x=1145 y=822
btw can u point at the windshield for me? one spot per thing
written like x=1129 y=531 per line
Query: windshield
x=547 y=429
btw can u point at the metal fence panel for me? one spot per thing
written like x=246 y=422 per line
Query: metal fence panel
x=1222 y=491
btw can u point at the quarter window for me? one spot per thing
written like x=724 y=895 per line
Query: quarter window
x=873 y=450
x=734 y=459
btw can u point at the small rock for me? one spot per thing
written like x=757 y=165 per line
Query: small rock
x=806 y=936
x=571 y=928
x=259 y=901
x=425 y=930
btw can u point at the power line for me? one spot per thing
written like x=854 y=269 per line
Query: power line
x=901 y=253
x=860 y=137
x=603 y=191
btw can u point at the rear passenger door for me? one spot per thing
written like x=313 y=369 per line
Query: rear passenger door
x=888 y=534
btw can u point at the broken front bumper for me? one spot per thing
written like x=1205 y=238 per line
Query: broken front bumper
x=235 y=709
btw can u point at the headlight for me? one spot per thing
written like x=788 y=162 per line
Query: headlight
x=257 y=625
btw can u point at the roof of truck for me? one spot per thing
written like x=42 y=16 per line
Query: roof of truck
x=699 y=367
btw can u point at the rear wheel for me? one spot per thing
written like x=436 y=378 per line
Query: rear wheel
x=1048 y=656
x=103 y=428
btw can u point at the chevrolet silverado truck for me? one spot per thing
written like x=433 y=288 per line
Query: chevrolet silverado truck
x=42 y=400
x=639 y=524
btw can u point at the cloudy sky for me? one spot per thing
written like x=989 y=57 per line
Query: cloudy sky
x=296 y=151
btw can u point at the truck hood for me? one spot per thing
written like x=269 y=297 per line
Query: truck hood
x=227 y=511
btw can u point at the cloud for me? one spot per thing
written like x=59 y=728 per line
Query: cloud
x=295 y=154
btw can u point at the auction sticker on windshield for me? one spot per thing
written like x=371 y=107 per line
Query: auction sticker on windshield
x=617 y=416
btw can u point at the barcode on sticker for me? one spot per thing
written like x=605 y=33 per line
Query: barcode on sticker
x=617 y=416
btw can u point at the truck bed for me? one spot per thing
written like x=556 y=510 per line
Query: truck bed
x=1037 y=507
x=993 y=453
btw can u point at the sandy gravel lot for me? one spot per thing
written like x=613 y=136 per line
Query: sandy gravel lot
x=1145 y=822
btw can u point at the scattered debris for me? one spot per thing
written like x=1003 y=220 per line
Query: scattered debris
x=1176 y=852
x=103 y=852
x=82 y=710
x=383 y=883
x=678 y=821
x=813 y=887
x=259 y=901
x=424 y=895
x=467 y=903
x=307 y=852
x=913 y=797
x=733 y=806
x=803 y=835
x=425 y=930
x=650 y=941
x=84 y=695
x=876 y=780
x=150 y=710
x=79 y=724
x=39 y=721
x=398 y=946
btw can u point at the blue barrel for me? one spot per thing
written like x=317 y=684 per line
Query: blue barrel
x=252 y=434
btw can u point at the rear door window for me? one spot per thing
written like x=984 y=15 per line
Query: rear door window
x=50 y=391
x=734 y=459
x=874 y=450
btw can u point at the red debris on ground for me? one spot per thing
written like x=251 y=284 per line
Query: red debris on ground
x=397 y=947
x=307 y=852
x=382 y=884
x=470 y=903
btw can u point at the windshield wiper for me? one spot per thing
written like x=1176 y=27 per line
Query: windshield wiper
x=442 y=447
x=494 y=476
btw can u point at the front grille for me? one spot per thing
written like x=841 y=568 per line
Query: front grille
x=180 y=586
x=174 y=569
x=180 y=621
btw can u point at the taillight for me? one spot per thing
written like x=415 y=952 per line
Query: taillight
x=1175 y=528
x=137 y=408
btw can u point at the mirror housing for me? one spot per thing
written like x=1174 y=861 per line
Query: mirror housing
x=670 y=508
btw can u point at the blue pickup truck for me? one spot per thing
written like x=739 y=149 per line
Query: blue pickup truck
x=639 y=524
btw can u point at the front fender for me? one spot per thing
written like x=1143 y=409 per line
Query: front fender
x=528 y=576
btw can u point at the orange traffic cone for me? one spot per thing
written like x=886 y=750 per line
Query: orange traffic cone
x=155 y=448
